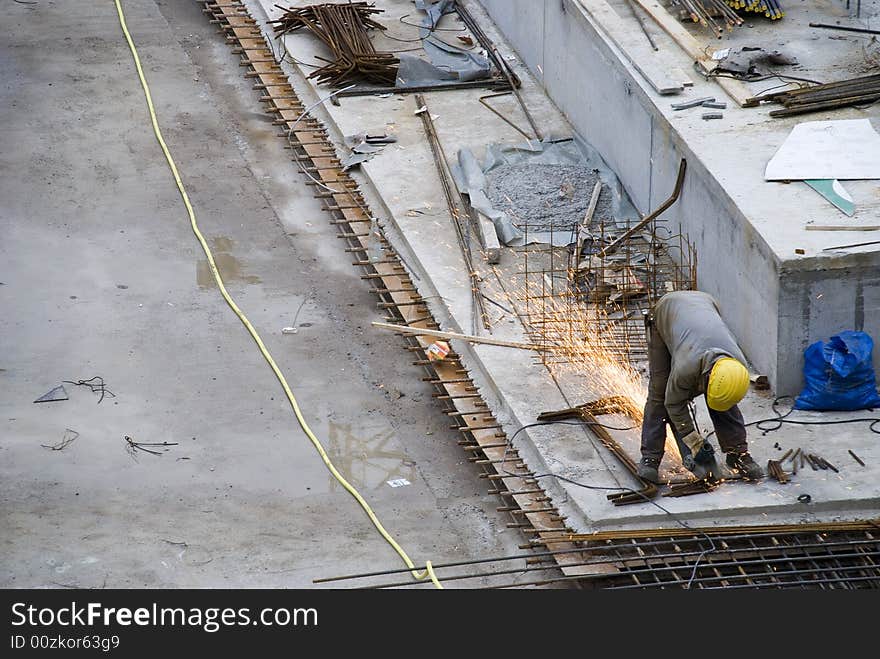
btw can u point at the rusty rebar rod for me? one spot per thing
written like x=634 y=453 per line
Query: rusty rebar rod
x=456 y=212
x=679 y=181
x=856 y=458
x=343 y=28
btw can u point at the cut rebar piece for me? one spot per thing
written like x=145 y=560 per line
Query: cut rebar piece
x=775 y=469
x=856 y=458
x=844 y=28
x=824 y=464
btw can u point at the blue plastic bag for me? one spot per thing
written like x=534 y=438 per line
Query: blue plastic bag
x=839 y=375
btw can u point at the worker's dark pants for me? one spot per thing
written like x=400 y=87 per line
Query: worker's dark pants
x=729 y=426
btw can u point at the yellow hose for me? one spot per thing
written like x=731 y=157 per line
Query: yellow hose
x=429 y=570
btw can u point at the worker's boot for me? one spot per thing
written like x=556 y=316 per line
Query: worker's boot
x=746 y=465
x=649 y=470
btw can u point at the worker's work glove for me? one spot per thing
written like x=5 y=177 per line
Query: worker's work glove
x=694 y=441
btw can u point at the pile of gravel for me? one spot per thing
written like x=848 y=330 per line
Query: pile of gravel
x=540 y=195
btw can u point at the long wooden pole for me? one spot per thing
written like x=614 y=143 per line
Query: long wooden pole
x=418 y=331
x=585 y=223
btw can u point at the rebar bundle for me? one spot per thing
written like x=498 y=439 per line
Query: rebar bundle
x=855 y=91
x=770 y=8
x=344 y=30
x=717 y=15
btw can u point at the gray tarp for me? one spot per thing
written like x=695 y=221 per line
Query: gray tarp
x=470 y=177
x=447 y=61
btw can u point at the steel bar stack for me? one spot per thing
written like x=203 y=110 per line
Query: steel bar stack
x=343 y=29
x=770 y=8
x=717 y=15
x=856 y=91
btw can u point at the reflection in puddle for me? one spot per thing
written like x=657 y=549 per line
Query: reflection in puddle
x=228 y=265
x=365 y=459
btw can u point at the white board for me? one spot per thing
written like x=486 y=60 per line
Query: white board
x=844 y=150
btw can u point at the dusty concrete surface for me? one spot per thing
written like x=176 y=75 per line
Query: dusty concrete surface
x=546 y=197
x=101 y=275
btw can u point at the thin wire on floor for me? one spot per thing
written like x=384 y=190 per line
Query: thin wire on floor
x=781 y=419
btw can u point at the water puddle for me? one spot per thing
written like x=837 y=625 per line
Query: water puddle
x=230 y=268
x=366 y=459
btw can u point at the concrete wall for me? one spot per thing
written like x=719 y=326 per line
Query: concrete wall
x=605 y=103
x=820 y=303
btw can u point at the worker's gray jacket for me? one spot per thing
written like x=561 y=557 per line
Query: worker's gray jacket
x=690 y=324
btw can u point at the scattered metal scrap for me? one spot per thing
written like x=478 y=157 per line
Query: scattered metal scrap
x=855 y=91
x=774 y=468
x=700 y=486
x=132 y=447
x=856 y=458
x=363 y=147
x=747 y=62
x=67 y=439
x=503 y=118
x=694 y=102
x=344 y=30
x=96 y=385
x=821 y=462
x=586 y=413
x=383 y=67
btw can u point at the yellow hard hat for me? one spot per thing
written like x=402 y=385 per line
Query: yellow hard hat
x=728 y=384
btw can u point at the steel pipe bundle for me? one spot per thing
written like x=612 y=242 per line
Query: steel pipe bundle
x=344 y=30
x=714 y=14
x=770 y=8
x=855 y=91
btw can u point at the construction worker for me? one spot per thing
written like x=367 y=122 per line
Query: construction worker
x=692 y=352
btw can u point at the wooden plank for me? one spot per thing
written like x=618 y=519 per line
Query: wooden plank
x=633 y=45
x=455 y=335
x=585 y=223
x=488 y=238
x=842 y=227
